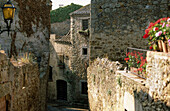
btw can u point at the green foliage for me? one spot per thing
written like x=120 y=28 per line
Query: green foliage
x=62 y=13
x=109 y=92
x=119 y=81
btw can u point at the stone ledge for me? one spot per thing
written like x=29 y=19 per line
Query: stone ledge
x=133 y=77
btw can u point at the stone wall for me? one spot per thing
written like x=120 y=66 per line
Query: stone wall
x=62 y=51
x=31 y=33
x=60 y=28
x=79 y=62
x=113 y=90
x=19 y=84
x=5 y=84
x=76 y=63
x=118 y=24
x=58 y=50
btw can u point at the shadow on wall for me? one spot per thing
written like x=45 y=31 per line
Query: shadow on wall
x=144 y=102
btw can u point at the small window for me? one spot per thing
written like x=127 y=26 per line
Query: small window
x=85 y=24
x=50 y=73
x=84 y=88
x=84 y=51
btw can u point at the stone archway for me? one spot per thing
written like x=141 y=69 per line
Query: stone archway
x=61 y=90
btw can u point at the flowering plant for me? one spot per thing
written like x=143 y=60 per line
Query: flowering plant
x=160 y=30
x=136 y=59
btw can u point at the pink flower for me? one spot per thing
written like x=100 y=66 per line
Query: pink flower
x=158 y=33
x=167 y=25
x=164 y=33
x=169 y=41
x=168 y=20
x=163 y=25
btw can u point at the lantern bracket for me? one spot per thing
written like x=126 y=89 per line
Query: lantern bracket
x=8 y=21
x=8 y=26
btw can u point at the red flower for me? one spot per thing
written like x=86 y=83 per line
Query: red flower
x=143 y=61
x=151 y=25
x=162 y=19
x=151 y=47
x=140 y=69
x=132 y=54
x=138 y=62
x=158 y=21
x=136 y=56
x=135 y=70
x=127 y=53
x=140 y=54
x=145 y=36
x=156 y=28
x=147 y=31
x=126 y=59
x=141 y=57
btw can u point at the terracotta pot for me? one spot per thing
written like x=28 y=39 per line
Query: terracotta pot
x=167 y=45
x=160 y=45
x=164 y=46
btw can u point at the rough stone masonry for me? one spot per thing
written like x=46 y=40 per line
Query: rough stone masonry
x=118 y=24
x=31 y=34
x=19 y=85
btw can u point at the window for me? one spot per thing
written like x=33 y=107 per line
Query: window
x=50 y=73
x=84 y=88
x=84 y=51
x=85 y=24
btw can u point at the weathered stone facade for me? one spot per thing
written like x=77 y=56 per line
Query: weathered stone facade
x=31 y=33
x=113 y=90
x=69 y=50
x=60 y=28
x=118 y=24
x=19 y=84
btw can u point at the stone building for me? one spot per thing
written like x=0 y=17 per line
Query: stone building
x=69 y=56
x=118 y=24
x=31 y=32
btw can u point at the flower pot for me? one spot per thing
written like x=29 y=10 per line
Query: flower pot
x=160 y=45
x=167 y=45
x=164 y=46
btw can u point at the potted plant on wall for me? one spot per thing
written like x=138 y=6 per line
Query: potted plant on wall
x=137 y=63
x=159 y=34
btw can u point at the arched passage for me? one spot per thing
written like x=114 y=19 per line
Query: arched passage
x=61 y=90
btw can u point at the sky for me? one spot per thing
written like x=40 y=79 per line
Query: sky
x=68 y=2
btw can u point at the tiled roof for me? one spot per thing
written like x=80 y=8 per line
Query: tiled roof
x=65 y=39
x=82 y=10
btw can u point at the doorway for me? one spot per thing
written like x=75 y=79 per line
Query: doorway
x=61 y=90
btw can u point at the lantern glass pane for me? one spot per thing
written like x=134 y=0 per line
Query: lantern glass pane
x=8 y=12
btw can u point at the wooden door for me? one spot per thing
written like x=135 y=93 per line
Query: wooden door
x=61 y=90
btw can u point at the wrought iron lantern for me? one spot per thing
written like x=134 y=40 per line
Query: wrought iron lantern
x=8 y=10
